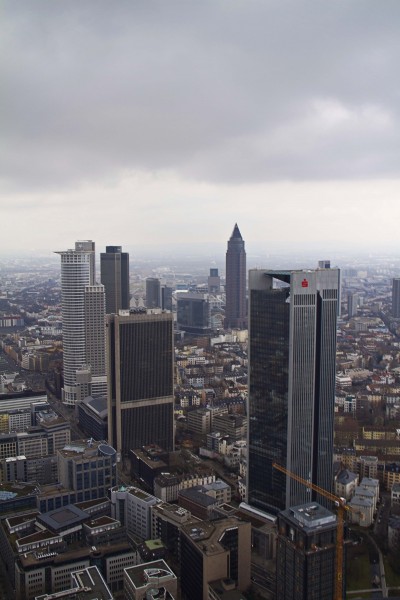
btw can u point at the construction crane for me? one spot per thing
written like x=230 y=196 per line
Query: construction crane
x=342 y=507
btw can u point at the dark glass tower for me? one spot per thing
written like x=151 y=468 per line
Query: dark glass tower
x=140 y=380
x=114 y=269
x=396 y=298
x=292 y=348
x=153 y=292
x=305 y=556
x=235 y=286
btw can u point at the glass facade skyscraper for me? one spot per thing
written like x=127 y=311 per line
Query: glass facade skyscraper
x=153 y=292
x=292 y=351
x=396 y=297
x=114 y=273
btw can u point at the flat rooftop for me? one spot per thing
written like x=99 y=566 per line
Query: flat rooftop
x=310 y=515
x=63 y=518
x=137 y=574
x=88 y=585
x=101 y=522
x=16 y=490
x=207 y=534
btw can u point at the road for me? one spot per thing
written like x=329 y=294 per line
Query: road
x=377 y=571
x=68 y=413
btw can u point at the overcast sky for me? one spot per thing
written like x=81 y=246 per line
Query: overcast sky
x=147 y=123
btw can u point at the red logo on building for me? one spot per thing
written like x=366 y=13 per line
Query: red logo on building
x=304 y=283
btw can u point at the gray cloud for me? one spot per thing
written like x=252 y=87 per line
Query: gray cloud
x=218 y=90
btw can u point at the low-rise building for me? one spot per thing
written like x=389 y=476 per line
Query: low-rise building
x=149 y=581
x=88 y=468
x=86 y=584
x=362 y=510
x=131 y=506
x=166 y=523
x=212 y=551
x=345 y=484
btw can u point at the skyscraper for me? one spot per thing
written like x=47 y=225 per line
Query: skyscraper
x=77 y=273
x=114 y=274
x=235 y=286
x=352 y=304
x=153 y=292
x=95 y=338
x=396 y=298
x=292 y=347
x=214 y=282
x=140 y=380
x=306 y=553
x=193 y=313
x=166 y=297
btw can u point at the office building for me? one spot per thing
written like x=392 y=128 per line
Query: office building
x=114 y=275
x=306 y=553
x=324 y=264
x=235 y=286
x=292 y=350
x=166 y=297
x=83 y=322
x=201 y=500
x=88 y=468
x=150 y=581
x=86 y=584
x=396 y=298
x=95 y=339
x=214 y=282
x=153 y=292
x=140 y=380
x=92 y=415
x=166 y=523
x=193 y=313
x=213 y=551
x=147 y=463
x=131 y=506
x=352 y=304
x=40 y=551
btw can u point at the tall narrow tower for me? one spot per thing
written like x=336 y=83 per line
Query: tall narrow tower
x=95 y=338
x=83 y=319
x=235 y=287
x=114 y=273
x=396 y=297
x=153 y=292
x=292 y=348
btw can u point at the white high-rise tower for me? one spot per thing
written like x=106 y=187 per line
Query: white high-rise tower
x=82 y=325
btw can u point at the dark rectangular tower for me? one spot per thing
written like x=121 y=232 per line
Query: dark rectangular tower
x=153 y=292
x=114 y=269
x=235 y=286
x=305 y=554
x=396 y=298
x=140 y=380
x=292 y=347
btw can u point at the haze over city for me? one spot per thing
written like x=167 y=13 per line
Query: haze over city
x=160 y=124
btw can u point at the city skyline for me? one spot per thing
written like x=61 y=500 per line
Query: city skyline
x=279 y=109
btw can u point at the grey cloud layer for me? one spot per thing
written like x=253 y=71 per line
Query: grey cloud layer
x=244 y=91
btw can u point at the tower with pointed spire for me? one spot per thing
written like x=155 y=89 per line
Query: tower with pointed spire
x=235 y=287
